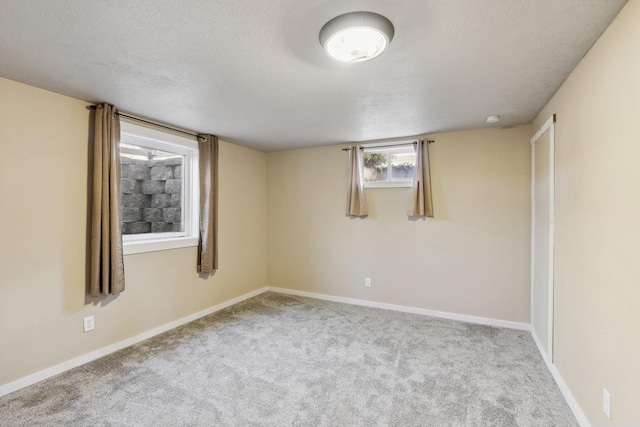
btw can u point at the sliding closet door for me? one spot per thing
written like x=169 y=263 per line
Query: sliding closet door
x=542 y=238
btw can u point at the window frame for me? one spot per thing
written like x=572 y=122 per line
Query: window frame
x=388 y=148
x=133 y=133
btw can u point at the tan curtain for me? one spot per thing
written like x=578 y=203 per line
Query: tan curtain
x=420 y=203
x=106 y=258
x=208 y=244
x=356 y=199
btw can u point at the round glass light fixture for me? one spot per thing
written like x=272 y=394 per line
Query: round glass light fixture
x=356 y=36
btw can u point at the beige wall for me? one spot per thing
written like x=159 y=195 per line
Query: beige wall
x=43 y=211
x=471 y=259
x=597 y=262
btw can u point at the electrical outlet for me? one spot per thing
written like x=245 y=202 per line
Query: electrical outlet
x=88 y=324
x=367 y=282
x=606 y=403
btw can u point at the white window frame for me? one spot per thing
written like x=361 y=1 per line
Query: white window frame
x=150 y=242
x=389 y=148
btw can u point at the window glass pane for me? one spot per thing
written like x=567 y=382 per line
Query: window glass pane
x=389 y=166
x=375 y=167
x=151 y=190
x=402 y=165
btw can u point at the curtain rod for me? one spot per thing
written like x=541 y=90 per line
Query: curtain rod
x=391 y=145
x=138 y=119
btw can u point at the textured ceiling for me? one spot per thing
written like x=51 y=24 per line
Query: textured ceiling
x=253 y=71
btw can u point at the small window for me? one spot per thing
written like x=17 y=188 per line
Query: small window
x=158 y=182
x=389 y=166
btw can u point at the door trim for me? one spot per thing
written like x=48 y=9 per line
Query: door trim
x=550 y=126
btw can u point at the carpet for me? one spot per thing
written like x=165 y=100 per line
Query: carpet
x=281 y=360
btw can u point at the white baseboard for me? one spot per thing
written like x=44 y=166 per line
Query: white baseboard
x=405 y=309
x=568 y=396
x=86 y=358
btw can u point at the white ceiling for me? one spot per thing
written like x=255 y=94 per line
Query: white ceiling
x=253 y=71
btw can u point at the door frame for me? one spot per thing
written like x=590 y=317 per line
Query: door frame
x=550 y=126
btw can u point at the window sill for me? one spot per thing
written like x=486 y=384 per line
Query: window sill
x=159 y=245
x=400 y=184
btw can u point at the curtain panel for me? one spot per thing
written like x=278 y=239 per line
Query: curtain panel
x=106 y=256
x=208 y=170
x=420 y=202
x=356 y=198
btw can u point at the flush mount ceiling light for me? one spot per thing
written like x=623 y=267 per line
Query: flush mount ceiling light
x=356 y=36
x=493 y=119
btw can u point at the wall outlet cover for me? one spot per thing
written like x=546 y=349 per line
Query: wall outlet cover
x=88 y=324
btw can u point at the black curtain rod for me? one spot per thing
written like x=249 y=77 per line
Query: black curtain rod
x=138 y=119
x=391 y=145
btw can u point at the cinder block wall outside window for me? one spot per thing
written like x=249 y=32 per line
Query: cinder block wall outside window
x=151 y=193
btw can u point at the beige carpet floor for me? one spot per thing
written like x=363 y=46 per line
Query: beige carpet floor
x=280 y=360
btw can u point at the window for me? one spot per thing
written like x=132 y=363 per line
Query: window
x=159 y=178
x=386 y=166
